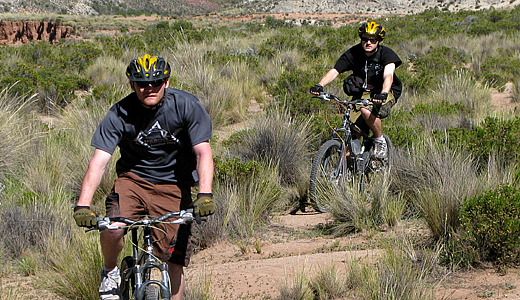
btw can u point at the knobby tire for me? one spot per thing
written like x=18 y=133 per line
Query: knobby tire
x=326 y=166
x=151 y=292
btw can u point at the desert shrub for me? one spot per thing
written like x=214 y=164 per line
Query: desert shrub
x=162 y=25
x=52 y=71
x=493 y=220
x=494 y=136
x=327 y=283
x=181 y=25
x=354 y=210
x=244 y=209
x=434 y=178
x=233 y=170
x=515 y=92
x=219 y=58
x=25 y=229
x=271 y=22
x=199 y=288
x=278 y=139
x=460 y=94
x=460 y=251
x=296 y=288
x=76 y=261
x=115 y=47
x=335 y=41
x=503 y=68
x=294 y=86
x=403 y=272
x=438 y=60
x=290 y=42
x=16 y=131
x=493 y=80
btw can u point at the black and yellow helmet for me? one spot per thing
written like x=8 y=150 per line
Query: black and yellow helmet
x=372 y=28
x=148 y=68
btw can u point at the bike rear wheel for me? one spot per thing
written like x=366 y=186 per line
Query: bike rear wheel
x=329 y=166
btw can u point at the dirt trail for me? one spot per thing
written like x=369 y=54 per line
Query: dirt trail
x=251 y=275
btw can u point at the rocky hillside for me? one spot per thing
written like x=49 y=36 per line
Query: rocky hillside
x=185 y=7
x=123 y=7
x=372 y=6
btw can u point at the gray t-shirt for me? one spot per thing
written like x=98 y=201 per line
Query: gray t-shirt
x=156 y=144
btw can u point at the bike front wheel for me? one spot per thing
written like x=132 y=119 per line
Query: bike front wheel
x=328 y=167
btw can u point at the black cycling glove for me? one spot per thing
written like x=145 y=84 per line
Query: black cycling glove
x=381 y=96
x=317 y=88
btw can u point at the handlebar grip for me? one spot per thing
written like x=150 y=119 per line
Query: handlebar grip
x=198 y=219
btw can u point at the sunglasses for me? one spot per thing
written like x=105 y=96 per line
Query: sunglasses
x=145 y=84
x=372 y=40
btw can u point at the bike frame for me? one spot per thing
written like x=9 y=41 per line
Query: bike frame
x=344 y=135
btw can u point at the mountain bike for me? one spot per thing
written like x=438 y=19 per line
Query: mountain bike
x=347 y=157
x=136 y=281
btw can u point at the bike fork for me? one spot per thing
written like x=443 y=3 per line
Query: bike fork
x=163 y=285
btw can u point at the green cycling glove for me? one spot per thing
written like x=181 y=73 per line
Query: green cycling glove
x=84 y=217
x=204 y=205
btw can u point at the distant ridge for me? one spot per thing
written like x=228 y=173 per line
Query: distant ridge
x=198 y=7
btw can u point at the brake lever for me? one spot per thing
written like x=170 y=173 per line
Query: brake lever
x=102 y=224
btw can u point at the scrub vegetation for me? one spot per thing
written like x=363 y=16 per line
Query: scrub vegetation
x=457 y=164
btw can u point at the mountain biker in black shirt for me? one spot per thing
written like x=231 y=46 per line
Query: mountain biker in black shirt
x=373 y=76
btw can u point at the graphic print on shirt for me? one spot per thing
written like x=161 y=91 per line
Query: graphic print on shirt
x=156 y=137
x=371 y=69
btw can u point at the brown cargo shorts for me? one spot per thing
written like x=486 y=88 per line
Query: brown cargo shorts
x=132 y=197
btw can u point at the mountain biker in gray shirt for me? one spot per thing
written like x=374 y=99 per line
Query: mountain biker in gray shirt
x=163 y=136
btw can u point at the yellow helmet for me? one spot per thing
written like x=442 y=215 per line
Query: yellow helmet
x=372 y=28
x=148 y=68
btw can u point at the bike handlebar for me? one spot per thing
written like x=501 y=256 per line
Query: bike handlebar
x=330 y=97
x=182 y=217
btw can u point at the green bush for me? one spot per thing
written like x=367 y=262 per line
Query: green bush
x=492 y=136
x=233 y=170
x=493 y=219
x=505 y=67
x=438 y=60
x=294 y=86
x=271 y=22
x=501 y=136
x=494 y=80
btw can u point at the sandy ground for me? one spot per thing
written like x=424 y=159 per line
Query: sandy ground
x=252 y=275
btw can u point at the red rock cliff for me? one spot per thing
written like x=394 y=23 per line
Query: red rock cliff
x=19 y=32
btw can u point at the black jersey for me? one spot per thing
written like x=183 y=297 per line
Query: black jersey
x=156 y=144
x=370 y=69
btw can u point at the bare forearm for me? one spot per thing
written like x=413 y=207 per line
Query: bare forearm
x=89 y=186
x=92 y=179
x=388 y=77
x=329 y=77
x=205 y=167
